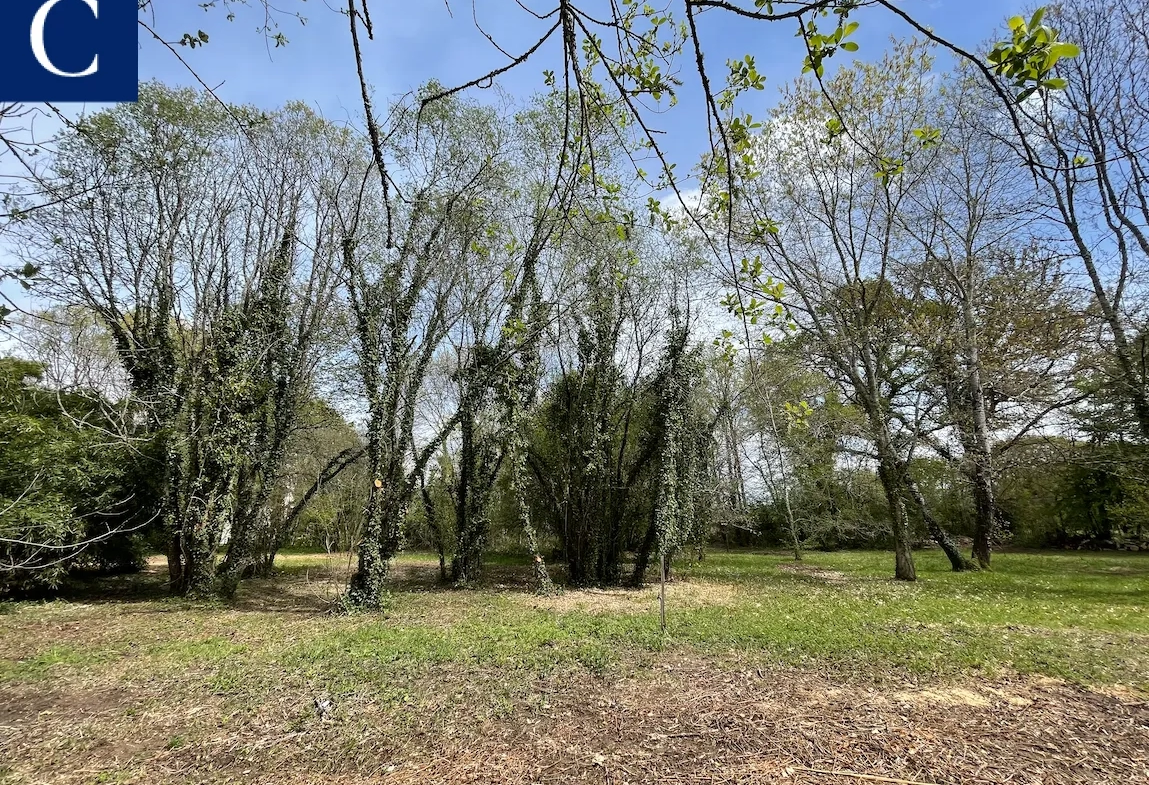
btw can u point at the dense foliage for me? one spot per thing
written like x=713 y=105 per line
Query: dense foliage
x=73 y=496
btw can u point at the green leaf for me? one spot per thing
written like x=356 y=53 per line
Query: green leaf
x=1064 y=49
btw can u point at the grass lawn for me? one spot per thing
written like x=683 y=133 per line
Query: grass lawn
x=121 y=683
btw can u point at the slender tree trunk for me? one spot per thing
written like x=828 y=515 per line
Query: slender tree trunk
x=792 y=523
x=982 y=469
x=662 y=591
x=470 y=522
x=175 y=564
x=240 y=557
x=959 y=562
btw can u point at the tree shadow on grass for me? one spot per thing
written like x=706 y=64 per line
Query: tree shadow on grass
x=302 y=583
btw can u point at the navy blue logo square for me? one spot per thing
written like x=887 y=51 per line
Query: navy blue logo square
x=68 y=50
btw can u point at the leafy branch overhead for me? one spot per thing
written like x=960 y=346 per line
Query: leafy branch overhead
x=1028 y=60
x=639 y=50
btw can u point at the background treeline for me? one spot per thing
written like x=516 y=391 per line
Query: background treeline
x=463 y=331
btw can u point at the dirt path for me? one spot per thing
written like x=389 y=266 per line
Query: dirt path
x=690 y=721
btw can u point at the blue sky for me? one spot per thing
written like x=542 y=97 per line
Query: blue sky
x=426 y=39
x=419 y=40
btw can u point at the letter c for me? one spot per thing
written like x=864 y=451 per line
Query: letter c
x=38 y=40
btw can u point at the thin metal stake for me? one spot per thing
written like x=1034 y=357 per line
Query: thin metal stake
x=662 y=593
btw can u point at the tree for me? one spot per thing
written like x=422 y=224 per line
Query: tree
x=206 y=247
x=826 y=215
x=405 y=260
x=1088 y=149
x=23 y=185
x=1000 y=329
x=685 y=454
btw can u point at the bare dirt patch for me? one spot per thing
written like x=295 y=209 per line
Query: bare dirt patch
x=681 y=720
x=812 y=572
x=691 y=722
x=679 y=594
x=950 y=696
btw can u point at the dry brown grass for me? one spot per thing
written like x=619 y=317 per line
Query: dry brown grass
x=681 y=595
x=683 y=721
x=142 y=689
x=812 y=572
x=688 y=721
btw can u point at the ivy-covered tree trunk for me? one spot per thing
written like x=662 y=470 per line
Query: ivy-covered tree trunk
x=543 y=583
x=683 y=443
x=200 y=487
x=382 y=535
x=470 y=528
x=204 y=510
x=382 y=531
x=367 y=589
x=430 y=511
x=204 y=526
x=270 y=364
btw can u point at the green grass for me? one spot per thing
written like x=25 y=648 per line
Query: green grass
x=1079 y=617
x=121 y=681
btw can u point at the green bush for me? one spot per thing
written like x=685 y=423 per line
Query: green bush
x=68 y=488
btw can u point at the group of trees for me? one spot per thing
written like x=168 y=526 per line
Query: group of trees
x=905 y=306
x=973 y=292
